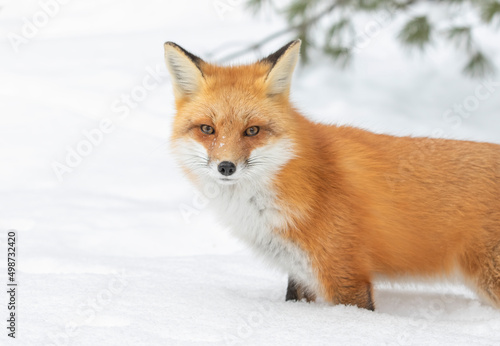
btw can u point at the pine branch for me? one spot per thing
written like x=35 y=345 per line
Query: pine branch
x=340 y=54
x=490 y=9
x=337 y=29
x=461 y=36
x=416 y=33
x=255 y=5
x=478 y=66
x=301 y=28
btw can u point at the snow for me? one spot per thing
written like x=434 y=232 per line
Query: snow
x=123 y=251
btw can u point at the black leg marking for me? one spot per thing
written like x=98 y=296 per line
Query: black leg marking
x=370 y=304
x=291 y=291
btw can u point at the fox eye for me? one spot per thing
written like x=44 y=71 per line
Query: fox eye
x=207 y=129
x=252 y=131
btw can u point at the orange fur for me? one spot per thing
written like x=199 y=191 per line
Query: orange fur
x=358 y=203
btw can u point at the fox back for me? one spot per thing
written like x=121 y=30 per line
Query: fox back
x=335 y=207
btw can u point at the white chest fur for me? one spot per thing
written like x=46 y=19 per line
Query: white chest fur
x=252 y=216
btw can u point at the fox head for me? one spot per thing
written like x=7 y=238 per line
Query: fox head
x=233 y=122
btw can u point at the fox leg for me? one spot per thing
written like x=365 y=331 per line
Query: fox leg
x=349 y=291
x=296 y=291
x=483 y=269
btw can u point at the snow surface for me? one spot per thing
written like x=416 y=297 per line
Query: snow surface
x=105 y=257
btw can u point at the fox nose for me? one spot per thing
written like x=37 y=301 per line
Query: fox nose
x=226 y=168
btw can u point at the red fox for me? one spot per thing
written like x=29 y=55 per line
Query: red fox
x=333 y=206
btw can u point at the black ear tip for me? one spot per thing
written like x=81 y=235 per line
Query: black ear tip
x=171 y=44
x=196 y=60
x=292 y=43
x=273 y=58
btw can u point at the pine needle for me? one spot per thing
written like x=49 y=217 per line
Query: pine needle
x=416 y=32
x=478 y=66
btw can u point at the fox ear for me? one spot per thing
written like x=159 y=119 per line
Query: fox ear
x=185 y=69
x=282 y=63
